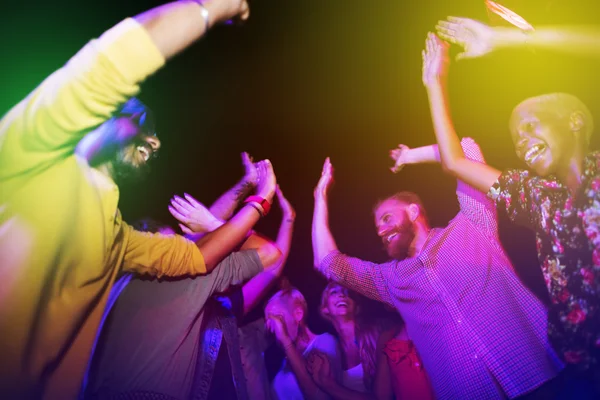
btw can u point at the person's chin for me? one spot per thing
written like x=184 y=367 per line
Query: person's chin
x=127 y=172
x=397 y=253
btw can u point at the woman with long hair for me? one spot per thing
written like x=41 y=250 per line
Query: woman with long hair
x=378 y=360
x=358 y=343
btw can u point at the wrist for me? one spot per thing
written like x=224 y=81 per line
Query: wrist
x=216 y=224
x=508 y=37
x=267 y=195
x=289 y=217
x=216 y=10
x=262 y=204
x=436 y=83
x=286 y=344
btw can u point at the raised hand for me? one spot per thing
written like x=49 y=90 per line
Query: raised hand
x=225 y=10
x=476 y=38
x=267 y=182
x=286 y=208
x=399 y=155
x=435 y=60
x=251 y=174
x=326 y=180
x=276 y=325
x=192 y=215
x=319 y=367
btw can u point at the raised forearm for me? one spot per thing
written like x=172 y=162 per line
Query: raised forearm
x=449 y=148
x=284 y=236
x=225 y=205
x=572 y=40
x=422 y=155
x=217 y=244
x=480 y=176
x=322 y=239
x=308 y=387
x=175 y=26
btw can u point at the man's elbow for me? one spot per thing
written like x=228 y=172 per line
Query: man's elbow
x=269 y=254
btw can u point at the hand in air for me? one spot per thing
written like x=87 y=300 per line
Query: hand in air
x=325 y=182
x=476 y=38
x=319 y=367
x=400 y=158
x=225 y=10
x=276 y=325
x=267 y=182
x=286 y=208
x=435 y=60
x=192 y=215
x=250 y=174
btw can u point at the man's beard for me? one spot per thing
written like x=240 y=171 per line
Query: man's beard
x=399 y=250
x=124 y=171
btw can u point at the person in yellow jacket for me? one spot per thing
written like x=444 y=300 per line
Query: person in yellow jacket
x=62 y=239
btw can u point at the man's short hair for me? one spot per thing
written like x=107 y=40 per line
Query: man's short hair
x=406 y=198
x=291 y=297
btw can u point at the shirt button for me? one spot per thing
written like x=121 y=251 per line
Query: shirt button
x=459 y=321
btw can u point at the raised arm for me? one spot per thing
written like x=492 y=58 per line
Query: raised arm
x=478 y=39
x=322 y=239
x=435 y=62
x=404 y=155
x=225 y=205
x=361 y=276
x=84 y=93
x=254 y=290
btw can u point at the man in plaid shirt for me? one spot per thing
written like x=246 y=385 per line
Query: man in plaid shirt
x=480 y=333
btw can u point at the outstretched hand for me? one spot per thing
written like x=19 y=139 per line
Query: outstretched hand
x=475 y=38
x=225 y=10
x=267 y=182
x=250 y=174
x=193 y=216
x=286 y=208
x=276 y=325
x=435 y=60
x=325 y=182
x=400 y=158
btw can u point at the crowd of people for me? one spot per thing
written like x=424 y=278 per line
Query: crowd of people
x=94 y=308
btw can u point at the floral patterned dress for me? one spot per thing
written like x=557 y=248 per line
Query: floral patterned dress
x=568 y=245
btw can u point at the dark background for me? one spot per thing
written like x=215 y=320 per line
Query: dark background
x=302 y=80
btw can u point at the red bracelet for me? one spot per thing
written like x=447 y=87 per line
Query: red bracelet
x=264 y=203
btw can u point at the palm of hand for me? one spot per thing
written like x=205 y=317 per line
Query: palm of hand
x=194 y=216
x=251 y=173
x=475 y=41
x=276 y=326
x=435 y=59
x=267 y=182
x=475 y=38
x=286 y=207
x=399 y=155
x=325 y=180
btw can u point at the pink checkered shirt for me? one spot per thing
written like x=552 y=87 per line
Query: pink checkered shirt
x=480 y=333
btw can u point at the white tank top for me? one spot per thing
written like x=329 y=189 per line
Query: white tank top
x=353 y=379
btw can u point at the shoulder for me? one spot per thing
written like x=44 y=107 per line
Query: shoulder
x=325 y=342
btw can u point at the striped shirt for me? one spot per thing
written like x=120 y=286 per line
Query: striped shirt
x=481 y=334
